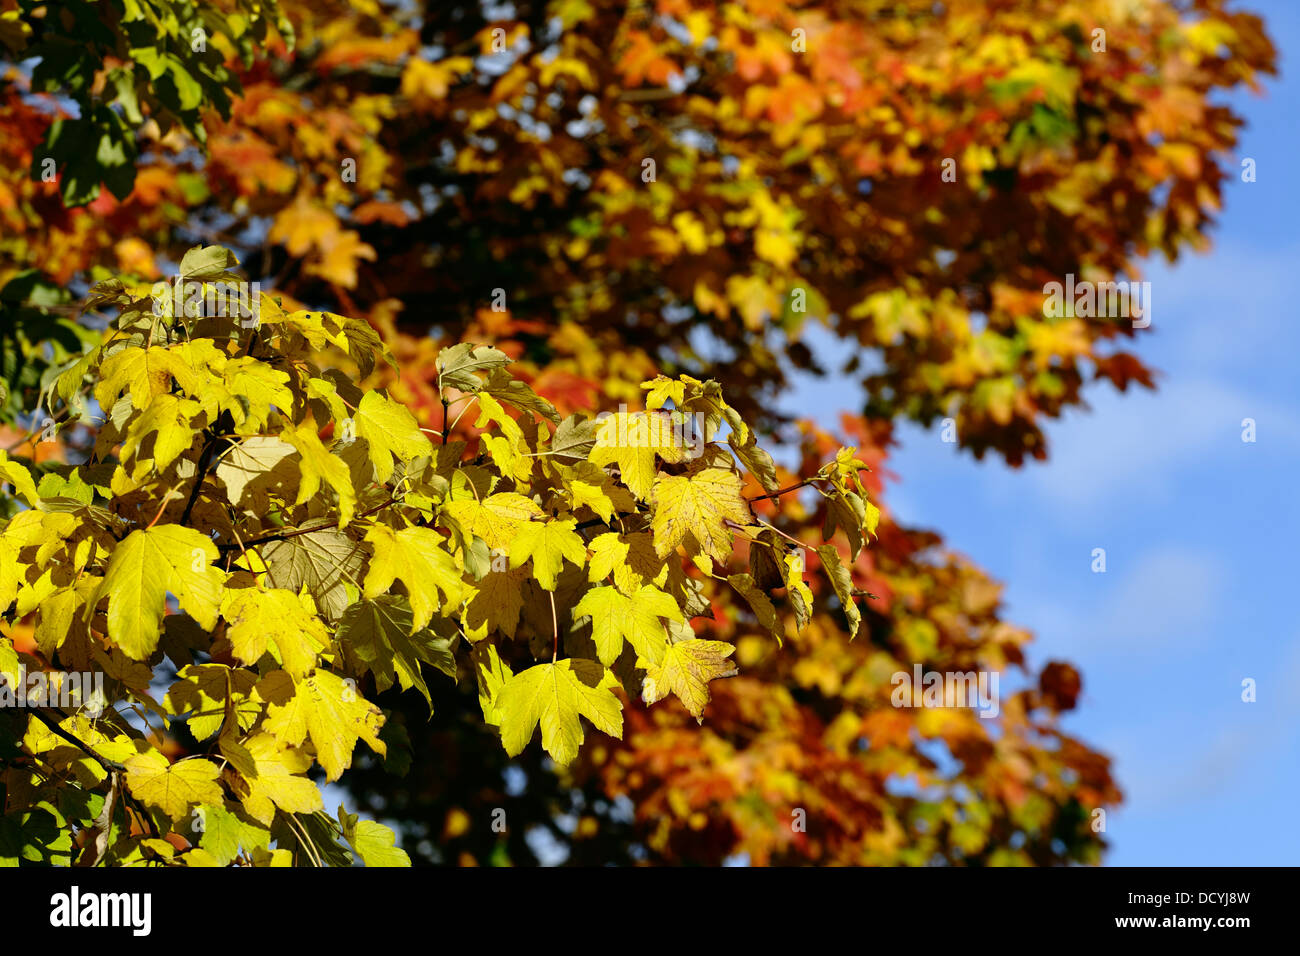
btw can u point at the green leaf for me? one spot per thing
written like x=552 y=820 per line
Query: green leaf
x=380 y=635
x=458 y=365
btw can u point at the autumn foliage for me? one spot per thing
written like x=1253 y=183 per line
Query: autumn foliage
x=662 y=211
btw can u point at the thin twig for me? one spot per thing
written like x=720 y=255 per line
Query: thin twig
x=783 y=491
x=104 y=762
x=284 y=535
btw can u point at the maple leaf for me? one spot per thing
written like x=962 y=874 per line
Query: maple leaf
x=508 y=449
x=323 y=562
x=340 y=253
x=501 y=385
x=319 y=465
x=496 y=519
x=631 y=440
x=257 y=468
x=389 y=429
x=170 y=420
x=497 y=603
x=143 y=568
x=261 y=387
x=19 y=477
x=299 y=226
x=205 y=694
x=685 y=670
x=759 y=603
x=145 y=373
x=172 y=787
x=491 y=674
x=416 y=557
x=373 y=842
x=325 y=708
x=257 y=617
x=458 y=366
x=379 y=634
x=842 y=582
x=590 y=486
x=636 y=617
x=801 y=598
x=609 y=551
x=693 y=509
x=555 y=695
x=548 y=543
x=275 y=779
x=226 y=831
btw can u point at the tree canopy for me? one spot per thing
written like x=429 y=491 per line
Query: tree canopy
x=662 y=211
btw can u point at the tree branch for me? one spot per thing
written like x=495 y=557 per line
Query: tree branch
x=285 y=535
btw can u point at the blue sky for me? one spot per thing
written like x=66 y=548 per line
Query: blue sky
x=1201 y=530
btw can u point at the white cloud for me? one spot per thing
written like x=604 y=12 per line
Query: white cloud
x=1131 y=446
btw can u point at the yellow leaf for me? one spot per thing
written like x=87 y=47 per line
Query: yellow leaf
x=547 y=543
x=693 y=509
x=145 y=374
x=608 y=551
x=172 y=788
x=325 y=708
x=663 y=390
x=754 y=299
x=416 y=557
x=492 y=673
x=636 y=617
x=424 y=82
x=495 y=519
x=317 y=465
x=257 y=617
x=554 y=695
x=302 y=225
x=686 y=669
x=842 y=582
x=203 y=692
x=340 y=253
x=18 y=476
x=144 y=567
x=691 y=233
x=759 y=603
x=508 y=449
x=277 y=781
x=775 y=246
x=375 y=844
x=631 y=440
x=389 y=429
x=590 y=486
x=262 y=386
x=168 y=418
x=497 y=603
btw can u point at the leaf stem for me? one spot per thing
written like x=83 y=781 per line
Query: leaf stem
x=555 y=627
